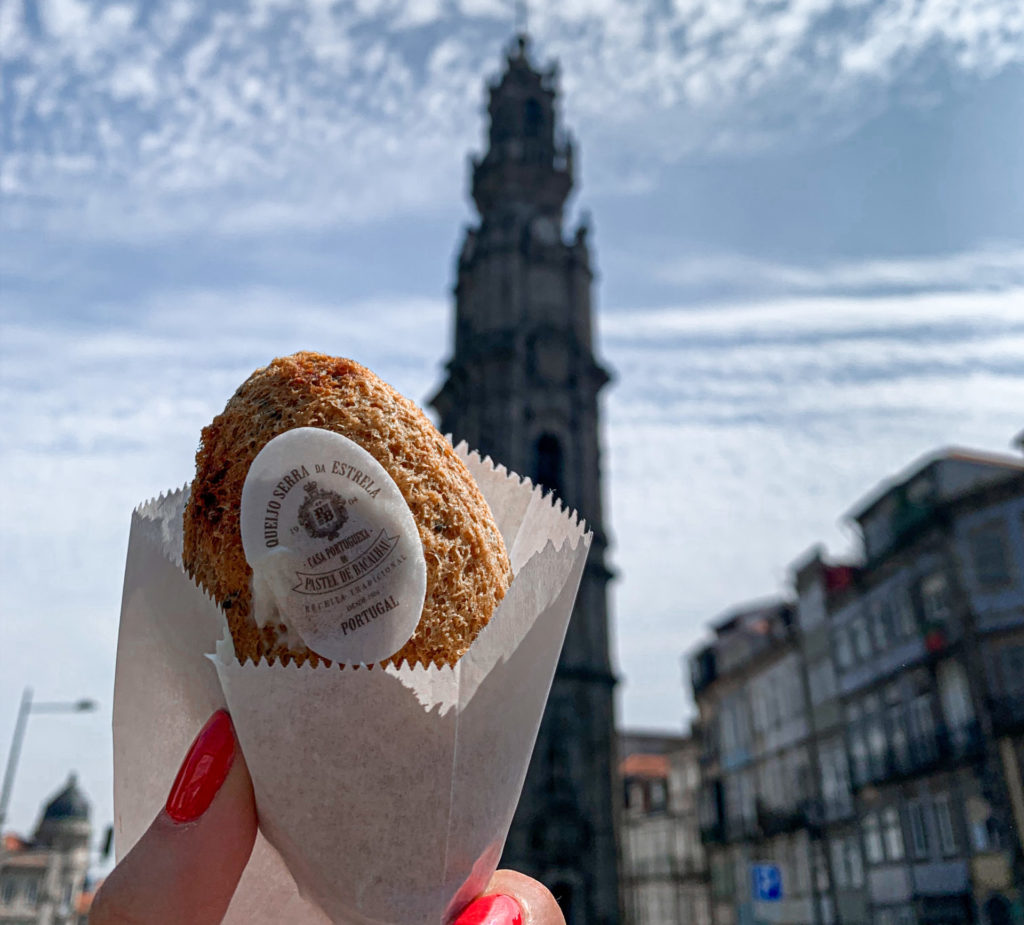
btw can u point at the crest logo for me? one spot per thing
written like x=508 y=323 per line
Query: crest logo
x=323 y=512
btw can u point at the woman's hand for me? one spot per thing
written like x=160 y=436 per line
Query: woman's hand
x=184 y=869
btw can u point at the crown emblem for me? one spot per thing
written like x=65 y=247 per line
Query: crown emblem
x=323 y=513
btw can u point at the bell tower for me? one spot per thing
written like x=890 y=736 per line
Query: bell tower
x=522 y=386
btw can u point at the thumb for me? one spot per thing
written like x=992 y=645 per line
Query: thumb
x=185 y=867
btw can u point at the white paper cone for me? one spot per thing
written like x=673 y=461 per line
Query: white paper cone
x=387 y=793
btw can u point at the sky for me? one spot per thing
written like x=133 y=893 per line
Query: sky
x=807 y=217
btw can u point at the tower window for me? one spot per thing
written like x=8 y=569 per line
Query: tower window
x=548 y=463
x=562 y=891
x=533 y=118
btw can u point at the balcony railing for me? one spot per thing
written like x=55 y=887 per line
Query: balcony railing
x=1007 y=712
x=774 y=821
x=713 y=833
x=922 y=754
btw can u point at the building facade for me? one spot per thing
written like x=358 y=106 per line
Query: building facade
x=912 y=666
x=43 y=880
x=664 y=874
x=924 y=647
x=756 y=769
x=522 y=386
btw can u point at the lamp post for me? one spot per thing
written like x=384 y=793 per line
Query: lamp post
x=29 y=706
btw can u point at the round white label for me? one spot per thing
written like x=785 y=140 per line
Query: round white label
x=326 y=529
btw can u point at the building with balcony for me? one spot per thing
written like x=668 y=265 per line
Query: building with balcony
x=664 y=873
x=43 y=880
x=757 y=789
x=903 y=774
x=924 y=644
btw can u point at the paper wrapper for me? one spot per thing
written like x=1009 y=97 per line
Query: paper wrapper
x=384 y=795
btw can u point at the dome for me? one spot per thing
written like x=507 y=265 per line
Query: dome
x=69 y=804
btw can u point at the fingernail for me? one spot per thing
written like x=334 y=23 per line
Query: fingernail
x=203 y=770
x=491 y=910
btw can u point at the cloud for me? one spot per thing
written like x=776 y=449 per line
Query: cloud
x=738 y=436
x=144 y=118
x=989 y=268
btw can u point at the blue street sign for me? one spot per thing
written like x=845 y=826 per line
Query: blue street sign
x=766 y=883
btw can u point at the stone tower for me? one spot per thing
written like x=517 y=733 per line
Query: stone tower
x=522 y=387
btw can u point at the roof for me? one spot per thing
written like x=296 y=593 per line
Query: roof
x=85 y=898
x=12 y=843
x=69 y=804
x=645 y=766
x=952 y=453
x=651 y=741
x=751 y=616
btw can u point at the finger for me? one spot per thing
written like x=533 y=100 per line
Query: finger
x=185 y=867
x=512 y=898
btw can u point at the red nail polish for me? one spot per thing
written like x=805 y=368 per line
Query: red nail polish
x=203 y=770
x=491 y=910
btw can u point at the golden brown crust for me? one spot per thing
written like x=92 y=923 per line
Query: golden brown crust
x=468 y=569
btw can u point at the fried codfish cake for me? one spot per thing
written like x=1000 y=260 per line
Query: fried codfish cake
x=468 y=569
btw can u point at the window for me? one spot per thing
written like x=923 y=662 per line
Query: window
x=839 y=864
x=905 y=621
x=989 y=556
x=822 y=681
x=935 y=598
x=548 y=463
x=861 y=639
x=820 y=872
x=918 y=828
x=844 y=654
x=798 y=775
x=702 y=913
x=31 y=892
x=892 y=834
x=748 y=799
x=877 y=747
x=880 y=623
x=854 y=862
x=873 y=849
x=875 y=734
x=1011 y=661
x=798 y=855
x=921 y=718
x=898 y=736
x=8 y=890
x=722 y=880
x=944 y=824
x=835 y=782
x=761 y=706
x=985 y=834
x=847 y=865
x=658 y=796
x=861 y=767
x=727 y=724
x=772 y=787
x=533 y=118
x=956 y=696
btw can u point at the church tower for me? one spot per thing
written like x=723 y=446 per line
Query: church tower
x=522 y=387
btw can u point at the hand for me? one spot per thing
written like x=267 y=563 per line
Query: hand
x=184 y=869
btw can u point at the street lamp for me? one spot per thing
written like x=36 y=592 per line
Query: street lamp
x=27 y=707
